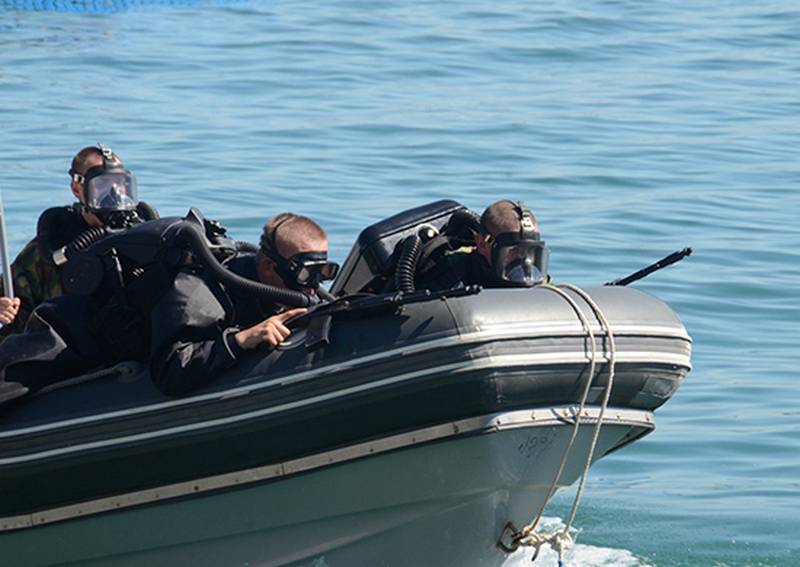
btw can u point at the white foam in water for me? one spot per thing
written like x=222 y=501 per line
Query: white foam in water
x=579 y=555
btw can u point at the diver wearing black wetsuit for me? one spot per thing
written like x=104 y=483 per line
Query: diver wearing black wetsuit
x=508 y=252
x=194 y=327
x=199 y=328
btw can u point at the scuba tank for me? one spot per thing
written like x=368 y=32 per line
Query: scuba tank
x=390 y=254
x=127 y=272
x=165 y=246
x=144 y=212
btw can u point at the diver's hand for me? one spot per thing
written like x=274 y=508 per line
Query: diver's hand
x=271 y=330
x=9 y=307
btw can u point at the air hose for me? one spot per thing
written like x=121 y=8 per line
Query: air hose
x=407 y=264
x=147 y=211
x=463 y=218
x=80 y=242
x=243 y=246
x=92 y=234
x=192 y=236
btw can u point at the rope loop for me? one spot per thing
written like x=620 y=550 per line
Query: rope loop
x=561 y=540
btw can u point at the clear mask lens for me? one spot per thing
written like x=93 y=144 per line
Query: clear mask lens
x=523 y=264
x=311 y=274
x=112 y=191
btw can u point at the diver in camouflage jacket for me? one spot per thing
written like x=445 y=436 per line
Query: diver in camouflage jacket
x=35 y=273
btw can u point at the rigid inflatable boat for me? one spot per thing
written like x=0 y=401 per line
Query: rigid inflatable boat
x=393 y=429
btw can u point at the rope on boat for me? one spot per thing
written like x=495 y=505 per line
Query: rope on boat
x=560 y=541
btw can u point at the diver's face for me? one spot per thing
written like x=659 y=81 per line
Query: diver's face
x=270 y=274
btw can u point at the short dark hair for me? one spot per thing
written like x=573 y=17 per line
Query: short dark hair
x=80 y=160
x=285 y=233
x=503 y=216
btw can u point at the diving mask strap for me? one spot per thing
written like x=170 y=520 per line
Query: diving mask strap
x=527 y=226
x=108 y=155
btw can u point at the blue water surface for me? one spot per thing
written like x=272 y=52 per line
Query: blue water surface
x=631 y=128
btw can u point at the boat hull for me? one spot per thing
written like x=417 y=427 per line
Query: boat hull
x=435 y=496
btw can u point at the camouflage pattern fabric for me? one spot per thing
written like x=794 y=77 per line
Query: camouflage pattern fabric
x=36 y=278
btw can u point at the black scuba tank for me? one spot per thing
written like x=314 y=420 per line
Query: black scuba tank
x=144 y=212
x=163 y=247
x=391 y=253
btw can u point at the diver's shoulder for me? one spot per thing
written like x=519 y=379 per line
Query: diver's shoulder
x=58 y=216
x=58 y=226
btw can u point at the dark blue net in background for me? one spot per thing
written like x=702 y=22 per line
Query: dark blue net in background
x=92 y=6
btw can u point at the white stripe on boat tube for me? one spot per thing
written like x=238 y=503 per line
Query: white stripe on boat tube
x=515 y=331
x=539 y=417
x=495 y=361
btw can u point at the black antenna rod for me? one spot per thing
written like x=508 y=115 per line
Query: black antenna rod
x=663 y=263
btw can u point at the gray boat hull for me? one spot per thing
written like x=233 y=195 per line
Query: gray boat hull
x=438 y=496
x=409 y=438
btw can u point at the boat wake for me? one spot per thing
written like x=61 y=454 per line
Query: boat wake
x=580 y=554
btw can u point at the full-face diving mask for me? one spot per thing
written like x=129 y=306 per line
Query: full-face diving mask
x=303 y=270
x=520 y=259
x=109 y=189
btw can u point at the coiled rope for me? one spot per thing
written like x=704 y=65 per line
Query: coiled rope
x=561 y=540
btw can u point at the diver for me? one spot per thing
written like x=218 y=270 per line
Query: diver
x=200 y=328
x=190 y=305
x=107 y=197
x=507 y=251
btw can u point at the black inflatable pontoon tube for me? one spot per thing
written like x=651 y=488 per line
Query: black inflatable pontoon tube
x=190 y=235
x=80 y=242
x=407 y=264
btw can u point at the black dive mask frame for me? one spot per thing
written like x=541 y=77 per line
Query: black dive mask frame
x=303 y=270
x=519 y=259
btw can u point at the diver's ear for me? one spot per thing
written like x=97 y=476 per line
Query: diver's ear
x=265 y=268
x=484 y=248
x=261 y=265
x=77 y=190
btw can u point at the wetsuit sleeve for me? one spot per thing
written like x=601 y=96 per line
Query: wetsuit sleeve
x=190 y=337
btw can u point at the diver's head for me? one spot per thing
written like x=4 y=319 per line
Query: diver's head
x=511 y=244
x=104 y=188
x=294 y=253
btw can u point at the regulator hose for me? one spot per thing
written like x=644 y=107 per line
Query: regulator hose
x=243 y=246
x=325 y=295
x=81 y=242
x=191 y=235
x=407 y=264
x=147 y=211
x=461 y=219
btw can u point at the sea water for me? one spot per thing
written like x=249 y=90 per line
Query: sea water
x=631 y=129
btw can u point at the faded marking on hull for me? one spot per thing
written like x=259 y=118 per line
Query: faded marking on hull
x=537 y=443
